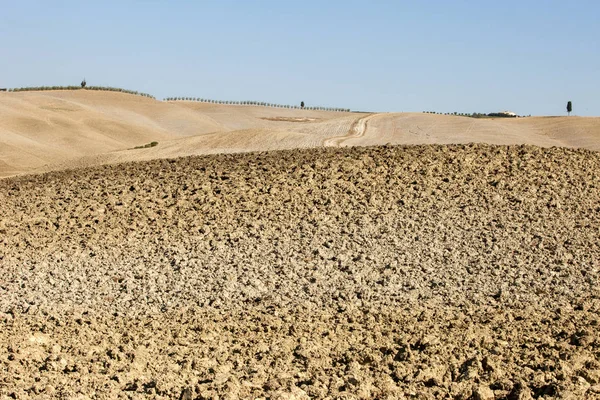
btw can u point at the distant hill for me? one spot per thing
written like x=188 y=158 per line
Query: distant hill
x=49 y=130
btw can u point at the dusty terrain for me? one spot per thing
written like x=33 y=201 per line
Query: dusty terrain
x=411 y=128
x=460 y=271
x=65 y=129
x=44 y=131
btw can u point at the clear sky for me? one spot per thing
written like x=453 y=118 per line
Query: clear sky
x=529 y=57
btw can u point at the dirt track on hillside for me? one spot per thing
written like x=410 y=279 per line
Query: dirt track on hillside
x=357 y=130
x=465 y=271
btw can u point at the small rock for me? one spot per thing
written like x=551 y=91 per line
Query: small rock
x=483 y=393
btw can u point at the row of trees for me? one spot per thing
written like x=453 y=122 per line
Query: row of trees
x=479 y=115
x=101 y=88
x=255 y=103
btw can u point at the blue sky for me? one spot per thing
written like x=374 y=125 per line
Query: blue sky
x=530 y=57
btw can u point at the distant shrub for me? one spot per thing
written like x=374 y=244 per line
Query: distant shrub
x=501 y=115
x=479 y=115
x=146 y=146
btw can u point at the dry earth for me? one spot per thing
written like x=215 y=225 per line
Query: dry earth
x=460 y=272
x=412 y=128
x=64 y=129
x=44 y=131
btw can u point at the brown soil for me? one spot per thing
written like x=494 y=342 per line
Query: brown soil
x=462 y=271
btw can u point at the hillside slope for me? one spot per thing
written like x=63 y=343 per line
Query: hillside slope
x=54 y=129
x=417 y=128
x=43 y=131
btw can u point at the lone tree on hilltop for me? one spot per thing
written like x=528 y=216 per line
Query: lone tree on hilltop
x=569 y=107
x=83 y=83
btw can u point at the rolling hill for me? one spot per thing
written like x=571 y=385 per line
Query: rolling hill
x=42 y=131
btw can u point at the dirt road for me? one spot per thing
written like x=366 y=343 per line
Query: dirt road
x=357 y=130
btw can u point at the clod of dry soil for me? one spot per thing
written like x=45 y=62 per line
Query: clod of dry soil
x=462 y=271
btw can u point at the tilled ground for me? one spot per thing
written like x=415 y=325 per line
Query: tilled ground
x=389 y=272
